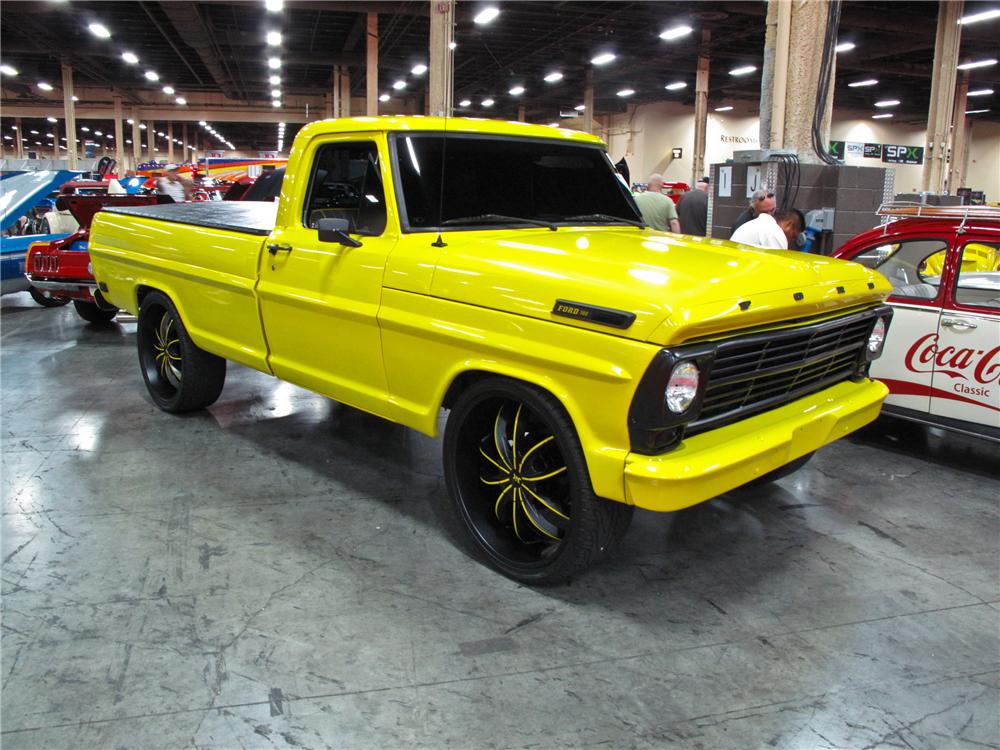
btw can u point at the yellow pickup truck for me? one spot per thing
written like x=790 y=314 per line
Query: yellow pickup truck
x=502 y=271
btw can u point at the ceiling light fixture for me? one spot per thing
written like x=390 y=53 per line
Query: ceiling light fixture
x=274 y=6
x=516 y=91
x=7 y=70
x=743 y=70
x=85 y=129
x=384 y=98
x=975 y=111
x=844 y=47
x=977 y=64
x=99 y=30
x=274 y=80
x=676 y=86
x=888 y=103
x=399 y=85
x=486 y=15
x=580 y=107
x=275 y=103
x=465 y=103
x=882 y=116
x=275 y=93
x=723 y=109
x=488 y=102
x=985 y=15
x=452 y=45
x=625 y=92
x=980 y=92
x=44 y=86
x=675 y=33
x=603 y=59
x=866 y=82
x=273 y=63
x=273 y=38
x=130 y=57
x=181 y=100
x=151 y=75
x=169 y=90
x=554 y=76
x=51 y=119
x=419 y=69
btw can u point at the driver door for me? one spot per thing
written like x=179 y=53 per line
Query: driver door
x=319 y=300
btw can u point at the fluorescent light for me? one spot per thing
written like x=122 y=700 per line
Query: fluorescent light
x=384 y=98
x=465 y=103
x=977 y=64
x=275 y=103
x=977 y=17
x=7 y=70
x=274 y=6
x=975 y=111
x=516 y=91
x=84 y=129
x=452 y=45
x=580 y=107
x=275 y=93
x=866 y=82
x=399 y=85
x=676 y=33
x=142 y=126
x=44 y=86
x=109 y=135
x=273 y=38
x=882 y=117
x=625 y=92
x=722 y=109
x=844 y=47
x=181 y=100
x=887 y=103
x=273 y=63
x=488 y=102
x=603 y=59
x=980 y=92
x=99 y=30
x=98 y=133
x=419 y=69
x=676 y=86
x=554 y=76
x=51 y=119
x=486 y=15
x=168 y=90
x=130 y=57
x=151 y=75
x=50 y=135
x=202 y=123
x=743 y=70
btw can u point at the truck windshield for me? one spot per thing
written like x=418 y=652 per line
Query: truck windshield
x=525 y=182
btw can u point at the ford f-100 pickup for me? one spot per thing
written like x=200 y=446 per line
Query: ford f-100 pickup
x=589 y=364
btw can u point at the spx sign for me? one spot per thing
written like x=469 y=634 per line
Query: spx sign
x=902 y=154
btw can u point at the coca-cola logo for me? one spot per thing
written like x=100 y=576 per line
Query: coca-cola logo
x=926 y=356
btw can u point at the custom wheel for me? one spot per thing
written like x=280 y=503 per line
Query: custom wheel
x=43 y=298
x=92 y=313
x=180 y=377
x=518 y=483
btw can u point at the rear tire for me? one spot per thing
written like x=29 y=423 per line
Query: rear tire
x=519 y=490
x=180 y=377
x=44 y=300
x=90 y=312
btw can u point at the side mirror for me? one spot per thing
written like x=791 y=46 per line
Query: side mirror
x=336 y=230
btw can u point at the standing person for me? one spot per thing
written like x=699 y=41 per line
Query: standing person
x=171 y=184
x=761 y=202
x=657 y=209
x=692 y=210
x=778 y=231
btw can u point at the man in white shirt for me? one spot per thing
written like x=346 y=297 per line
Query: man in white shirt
x=777 y=231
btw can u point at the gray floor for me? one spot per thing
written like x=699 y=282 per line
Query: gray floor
x=270 y=574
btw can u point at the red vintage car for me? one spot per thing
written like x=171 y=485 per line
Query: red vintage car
x=942 y=353
x=61 y=268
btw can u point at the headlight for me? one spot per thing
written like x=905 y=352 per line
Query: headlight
x=682 y=387
x=877 y=336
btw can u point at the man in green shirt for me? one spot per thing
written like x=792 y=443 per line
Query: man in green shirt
x=657 y=209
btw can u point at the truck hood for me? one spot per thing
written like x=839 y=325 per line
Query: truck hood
x=678 y=287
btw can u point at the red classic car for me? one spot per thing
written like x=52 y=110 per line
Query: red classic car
x=61 y=267
x=942 y=354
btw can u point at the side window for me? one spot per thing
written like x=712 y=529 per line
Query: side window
x=913 y=267
x=346 y=184
x=978 y=281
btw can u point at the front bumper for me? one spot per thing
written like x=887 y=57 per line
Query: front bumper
x=717 y=461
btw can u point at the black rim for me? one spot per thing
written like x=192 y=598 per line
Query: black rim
x=513 y=481
x=161 y=352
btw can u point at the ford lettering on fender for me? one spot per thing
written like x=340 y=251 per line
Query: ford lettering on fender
x=589 y=364
x=942 y=360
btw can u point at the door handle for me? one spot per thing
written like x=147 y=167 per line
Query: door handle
x=274 y=248
x=958 y=323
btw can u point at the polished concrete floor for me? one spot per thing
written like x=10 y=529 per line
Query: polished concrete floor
x=269 y=574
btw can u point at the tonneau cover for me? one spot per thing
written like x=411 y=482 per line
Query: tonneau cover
x=235 y=216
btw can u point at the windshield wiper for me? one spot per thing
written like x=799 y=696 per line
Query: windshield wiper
x=605 y=217
x=494 y=218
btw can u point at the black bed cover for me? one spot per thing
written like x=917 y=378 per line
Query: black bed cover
x=251 y=217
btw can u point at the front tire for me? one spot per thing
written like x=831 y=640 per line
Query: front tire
x=519 y=486
x=44 y=300
x=180 y=377
x=92 y=313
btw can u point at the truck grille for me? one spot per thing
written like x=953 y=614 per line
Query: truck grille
x=754 y=373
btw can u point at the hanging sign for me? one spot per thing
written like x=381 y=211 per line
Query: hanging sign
x=902 y=154
x=837 y=149
x=855 y=150
x=873 y=151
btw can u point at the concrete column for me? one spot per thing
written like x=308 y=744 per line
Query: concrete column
x=807 y=29
x=774 y=78
x=588 y=102
x=136 y=139
x=184 y=141
x=119 y=135
x=18 y=141
x=170 y=142
x=701 y=109
x=328 y=102
x=956 y=171
x=371 y=69
x=441 y=60
x=520 y=113
x=151 y=140
x=70 y=109
x=55 y=142
x=939 y=116
x=344 y=95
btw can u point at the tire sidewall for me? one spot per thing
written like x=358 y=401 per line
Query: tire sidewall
x=151 y=302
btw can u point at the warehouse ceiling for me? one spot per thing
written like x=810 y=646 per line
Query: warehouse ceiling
x=219 y=47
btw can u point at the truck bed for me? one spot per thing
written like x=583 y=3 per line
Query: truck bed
x=256 y=218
